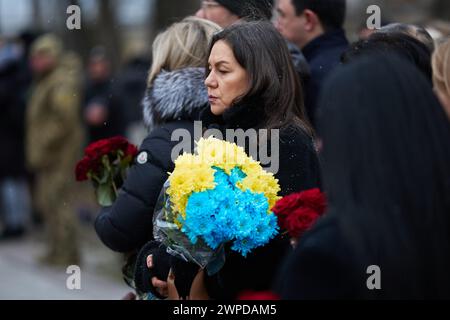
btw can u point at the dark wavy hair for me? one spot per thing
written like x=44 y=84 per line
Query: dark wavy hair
x=274 y=84
x=407 y=47
x=386 y=167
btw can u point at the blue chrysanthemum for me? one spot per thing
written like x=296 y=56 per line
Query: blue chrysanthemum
x=227 y=213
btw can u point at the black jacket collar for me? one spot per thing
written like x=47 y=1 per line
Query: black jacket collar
x=332 y=39
x=245 y=115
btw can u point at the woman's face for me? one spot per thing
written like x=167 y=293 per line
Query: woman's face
x=227 y=79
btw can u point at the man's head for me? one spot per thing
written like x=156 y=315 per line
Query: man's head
x=301 y=21
x=227 y=12
x=45 y=54
x=99 y=66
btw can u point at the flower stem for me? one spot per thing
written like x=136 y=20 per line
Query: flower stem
x=116 y=193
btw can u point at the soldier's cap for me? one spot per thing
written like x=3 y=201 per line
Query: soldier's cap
x=48 y=44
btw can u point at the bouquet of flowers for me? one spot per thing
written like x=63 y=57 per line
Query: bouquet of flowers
x=218 y=195
x=105 y=163
x=298 y=212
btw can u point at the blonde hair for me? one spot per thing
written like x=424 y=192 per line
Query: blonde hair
x=441 y=68
x=184 y=44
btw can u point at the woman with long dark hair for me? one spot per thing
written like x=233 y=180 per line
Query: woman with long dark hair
x=252 y=84
x=386 y=167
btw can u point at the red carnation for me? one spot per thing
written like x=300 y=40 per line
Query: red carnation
x=131 y=150
x=285 y=206
x=300 y=221
x=118 y=143
x=314 y=199
x=298 y=212
x=99 y=148
x=82 y=169
x=107 y=172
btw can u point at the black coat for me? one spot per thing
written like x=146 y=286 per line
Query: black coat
x=173 y=102
x=323 y=55
x=14 y=83
x=130 y=88
x=342 y=256
x=299 y=170
x=103 y=93
x=323 y=267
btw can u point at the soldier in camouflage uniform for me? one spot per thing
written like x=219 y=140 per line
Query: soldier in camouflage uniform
x=54 y=138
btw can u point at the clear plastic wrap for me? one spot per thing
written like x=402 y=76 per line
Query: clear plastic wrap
x=177 y=243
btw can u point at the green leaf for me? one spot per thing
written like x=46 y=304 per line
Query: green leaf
x=105 y=176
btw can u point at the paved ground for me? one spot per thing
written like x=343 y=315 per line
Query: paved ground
x=22 y=277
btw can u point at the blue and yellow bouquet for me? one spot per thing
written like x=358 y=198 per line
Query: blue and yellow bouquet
x=218 y=195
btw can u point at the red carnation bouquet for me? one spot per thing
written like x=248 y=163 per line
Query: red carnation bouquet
x=298 y=212
x=105 y=163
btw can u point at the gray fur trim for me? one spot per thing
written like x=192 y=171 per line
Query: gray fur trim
x=175 y=94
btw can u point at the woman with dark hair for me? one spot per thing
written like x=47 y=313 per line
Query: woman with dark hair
x=252 y=84
x=386 y=165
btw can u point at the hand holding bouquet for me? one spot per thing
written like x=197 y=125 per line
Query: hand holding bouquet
x=105 y=163
x=217 y=196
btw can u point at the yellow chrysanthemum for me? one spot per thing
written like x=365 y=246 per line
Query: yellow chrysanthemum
x=260 y=181
x=190 y=175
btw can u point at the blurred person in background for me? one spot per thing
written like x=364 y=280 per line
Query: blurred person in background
x=386 y=161
x=227 y=12
x=129 y=89
x=441 y=73
x=53 y=143
x=316 y=27
x=102 y=114
x=415 y=31
x=15 y=203
x=386 y=43
x=364 y=32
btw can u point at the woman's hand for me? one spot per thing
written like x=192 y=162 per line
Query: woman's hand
x=160 y=286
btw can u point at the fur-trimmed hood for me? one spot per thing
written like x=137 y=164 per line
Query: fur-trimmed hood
x=179 y=94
